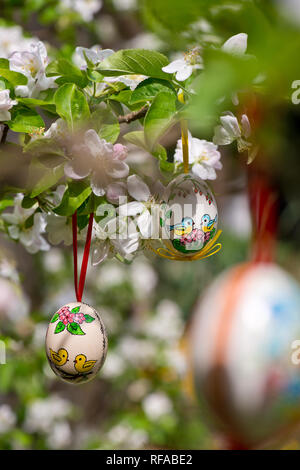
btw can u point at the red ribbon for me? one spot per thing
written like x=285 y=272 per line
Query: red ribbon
x=79 y=287
x=264 y=208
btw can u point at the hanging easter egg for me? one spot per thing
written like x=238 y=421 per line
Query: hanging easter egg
x=189 y=215
x=245 y=347
x=76 y=342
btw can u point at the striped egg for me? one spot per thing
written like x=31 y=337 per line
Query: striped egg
x=245 y=344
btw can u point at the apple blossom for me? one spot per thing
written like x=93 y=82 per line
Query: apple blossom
x=30 y=237
x=204 y=157
x=185 y=66
x=131 y=81
x=32 y=63
x=236 y=45
x=231 y=130
x=95 y=55
x=85 y=8
x=6 y=103
x=98 y=158
x=12 y=39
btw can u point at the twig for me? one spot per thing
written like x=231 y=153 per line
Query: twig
x=134 y=115
x=4 y=135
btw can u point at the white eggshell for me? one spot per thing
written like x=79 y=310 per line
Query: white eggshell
x=189 y=214
x=245 y=343
x=76 y=342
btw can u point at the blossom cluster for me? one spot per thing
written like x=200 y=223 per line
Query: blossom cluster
x=89 y=159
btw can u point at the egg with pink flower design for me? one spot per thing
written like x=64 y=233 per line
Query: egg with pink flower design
x=76 y=342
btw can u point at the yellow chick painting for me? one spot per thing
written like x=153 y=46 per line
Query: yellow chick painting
x=82 y=365
x=60 y=357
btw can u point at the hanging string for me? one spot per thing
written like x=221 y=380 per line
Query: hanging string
x=184 y=138
x=79 y=287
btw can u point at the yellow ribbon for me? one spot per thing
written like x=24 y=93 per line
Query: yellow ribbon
x=184 y=139
x=169 y=252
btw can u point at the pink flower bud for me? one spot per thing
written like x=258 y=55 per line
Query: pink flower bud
x=120 y=151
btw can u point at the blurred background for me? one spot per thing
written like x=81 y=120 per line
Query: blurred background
x=143 y=397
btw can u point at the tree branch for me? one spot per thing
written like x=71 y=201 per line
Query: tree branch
x=134 y=115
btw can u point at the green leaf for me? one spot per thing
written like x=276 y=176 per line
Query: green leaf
x=75 y=329
x=15 y=78
x=159 y=117
x=76 y=193
x=54 y=318
x=59 y=327
x=40 y=178
x=7 y=201
x=137 y=138
x=33 y=103
x=68 y=73
x=106 y=124
x=28 y=202
x=4 y=63
x=71 y=104
x=25 y=120
x=88 y=318
x=75 y=309
x=135 y=61
x=160 y=153
x=148 y=89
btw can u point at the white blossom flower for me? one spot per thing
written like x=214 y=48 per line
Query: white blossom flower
x=13 y=303
x=156 y=405
x=7 y=418
x=114 y=366
x=119 y=236
x=236 y=45
x=144 y=278
x=131 y=81
x=43 y=413
x=100 y=159
x=145 y=40
x=85 y=8
x=59 y=229
x=6 y=103
x=57 y=130
x=12 y=39
x=204 y=157
x=53 y=260
x=167 y=324
x=60 y=435
x=32 y=63
x=138 y=352
x=232 y=130
x=185 y=66
x=30 y=237
x=94 y=54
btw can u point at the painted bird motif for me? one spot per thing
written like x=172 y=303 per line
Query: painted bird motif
x=60 y=357
x=82 y=365
x=207 y=223
x=183 y=228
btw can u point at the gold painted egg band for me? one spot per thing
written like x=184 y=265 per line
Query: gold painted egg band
x=170 y=253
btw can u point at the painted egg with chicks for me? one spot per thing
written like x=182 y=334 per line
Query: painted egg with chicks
x=76 y=342
x=189 y=214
